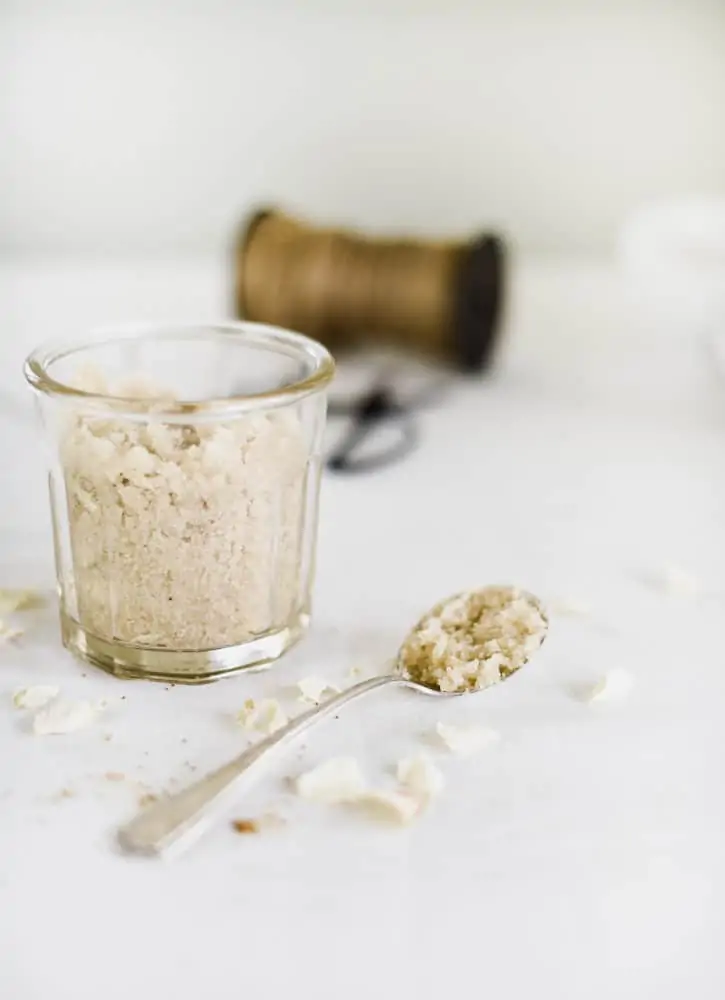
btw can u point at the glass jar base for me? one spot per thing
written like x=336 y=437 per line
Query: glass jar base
x=180 y=666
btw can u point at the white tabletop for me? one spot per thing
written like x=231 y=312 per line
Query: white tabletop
x=580 y=857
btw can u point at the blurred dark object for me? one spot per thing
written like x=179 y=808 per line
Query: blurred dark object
x=441 y=299
x=377 y=408
x=380 y=414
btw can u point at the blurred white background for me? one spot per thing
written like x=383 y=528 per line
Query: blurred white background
x=150 y=127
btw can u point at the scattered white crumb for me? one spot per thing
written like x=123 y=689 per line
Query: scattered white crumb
x=466 y=740
x=678 y=582
x=392 y=807
x=65 y=716
x=420 y=776
x=337 y=780
x=9 y=632
x=18 y=600
x=355 y=673
x=570 y=607
x=265 y=716
x=35 y=697
x=314 y=690
x=615 y=684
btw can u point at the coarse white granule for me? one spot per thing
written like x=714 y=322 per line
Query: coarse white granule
x=615 y=684
x=466 y=740
x=185 y=537
x=18 y=600
x=337 y=780
x=420 y=776
x=391 y=807
x=265 y=716
x=35 y=697
x=473 y=640
x=65 y=717
x=315 y=690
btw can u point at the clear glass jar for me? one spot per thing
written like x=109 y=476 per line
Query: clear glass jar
x=184 y=474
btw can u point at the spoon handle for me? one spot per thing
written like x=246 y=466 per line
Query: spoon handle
x=176 y=820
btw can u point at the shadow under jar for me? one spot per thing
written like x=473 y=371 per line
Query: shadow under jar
x=184 y=475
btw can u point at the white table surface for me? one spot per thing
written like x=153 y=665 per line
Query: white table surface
x=580 y=857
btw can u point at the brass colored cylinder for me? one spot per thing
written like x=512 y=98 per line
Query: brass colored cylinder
x=439 y=298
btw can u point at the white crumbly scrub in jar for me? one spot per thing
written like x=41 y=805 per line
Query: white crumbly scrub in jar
x=185 y=537
x=474 y=639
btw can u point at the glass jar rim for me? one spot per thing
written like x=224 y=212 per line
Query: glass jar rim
x=38 y=362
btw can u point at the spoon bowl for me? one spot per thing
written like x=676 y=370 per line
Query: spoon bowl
x=473 y=640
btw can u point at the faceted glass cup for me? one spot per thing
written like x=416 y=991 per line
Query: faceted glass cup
x=184 y=468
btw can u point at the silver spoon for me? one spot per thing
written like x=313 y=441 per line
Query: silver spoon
x=179 y=819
